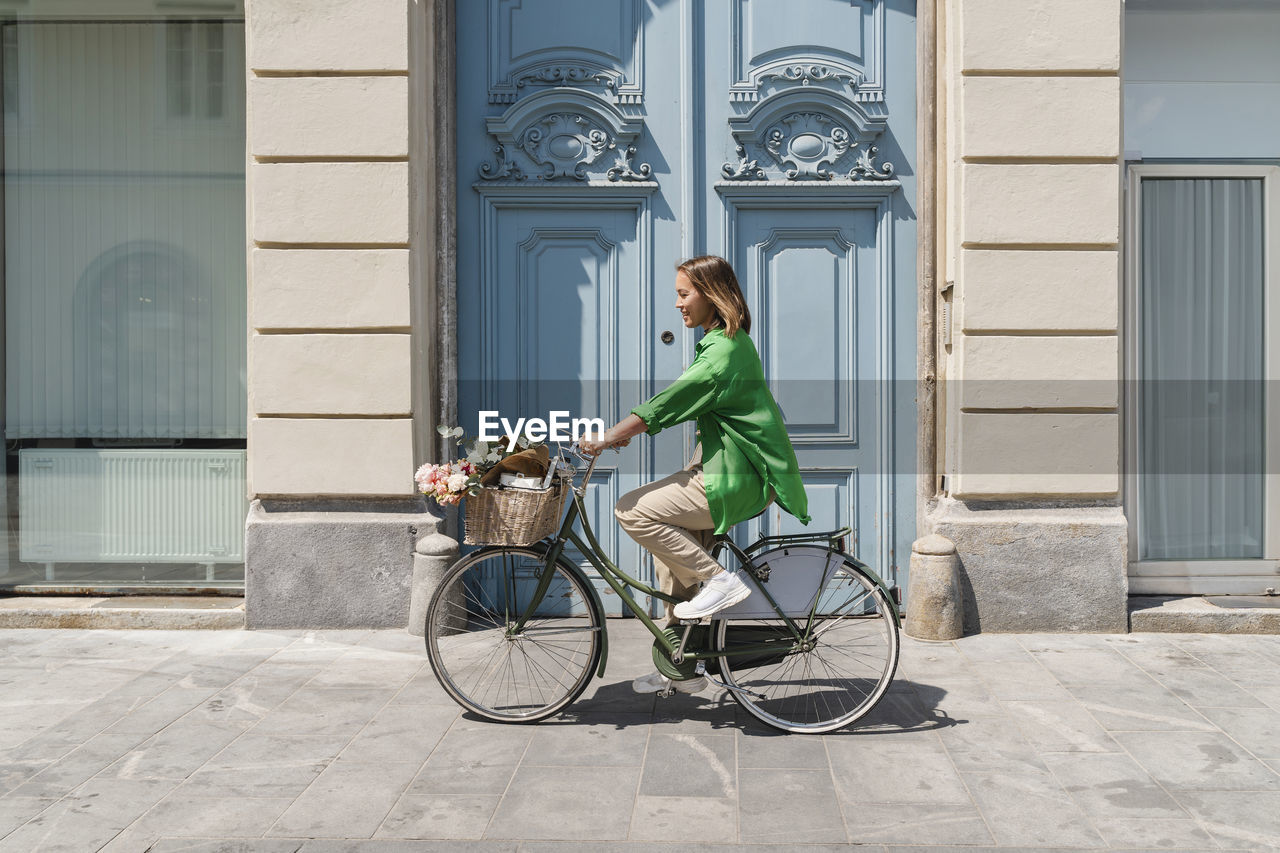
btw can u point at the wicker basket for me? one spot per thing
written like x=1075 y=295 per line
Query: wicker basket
x=514 y=516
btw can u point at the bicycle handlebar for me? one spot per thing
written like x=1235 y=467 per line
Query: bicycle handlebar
x=576 y=450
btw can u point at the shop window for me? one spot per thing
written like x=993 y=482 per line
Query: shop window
x=124 y=303
x=1202 y=495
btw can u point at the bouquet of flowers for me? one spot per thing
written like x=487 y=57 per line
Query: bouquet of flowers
x=450 y=482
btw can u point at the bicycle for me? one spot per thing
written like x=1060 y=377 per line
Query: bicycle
x=515 y=633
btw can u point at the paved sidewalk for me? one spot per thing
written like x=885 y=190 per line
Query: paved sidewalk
x=275 y=741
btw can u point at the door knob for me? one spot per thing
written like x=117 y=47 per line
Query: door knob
x=667 y=337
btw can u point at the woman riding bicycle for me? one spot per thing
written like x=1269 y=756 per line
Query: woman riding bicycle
x=744 y=460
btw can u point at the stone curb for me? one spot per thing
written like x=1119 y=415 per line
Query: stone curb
x=1158 y=615
x=86 y=613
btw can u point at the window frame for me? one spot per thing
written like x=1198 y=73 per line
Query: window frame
x=1211 y=576
x=233 y=98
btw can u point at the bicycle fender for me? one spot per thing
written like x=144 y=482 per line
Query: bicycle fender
x=884 y=587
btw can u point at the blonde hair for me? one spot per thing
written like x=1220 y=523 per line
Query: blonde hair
x=715 y=280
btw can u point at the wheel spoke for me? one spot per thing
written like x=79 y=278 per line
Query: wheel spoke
x=495 y=672
x=838 y=677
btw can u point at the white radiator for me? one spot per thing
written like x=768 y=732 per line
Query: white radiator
x=148 y=506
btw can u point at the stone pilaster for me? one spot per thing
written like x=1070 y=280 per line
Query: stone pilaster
x=1032 y=433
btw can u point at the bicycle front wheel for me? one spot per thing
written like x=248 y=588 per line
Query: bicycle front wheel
x=837 y=676
x=496 y=669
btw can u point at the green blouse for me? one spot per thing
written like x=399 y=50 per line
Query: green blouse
x=745 y=448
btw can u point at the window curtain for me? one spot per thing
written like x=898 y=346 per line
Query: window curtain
x=1201 y=427
x=124 y=243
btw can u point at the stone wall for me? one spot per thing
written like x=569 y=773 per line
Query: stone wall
x=1031 y=248
x=330 y=314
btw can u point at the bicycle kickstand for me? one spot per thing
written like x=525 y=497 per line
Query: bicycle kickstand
x=701 y=669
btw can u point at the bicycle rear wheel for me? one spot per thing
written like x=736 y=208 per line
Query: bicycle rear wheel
x=488 y=666
x=827 y=683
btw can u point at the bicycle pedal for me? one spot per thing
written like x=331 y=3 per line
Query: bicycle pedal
x=690 y=621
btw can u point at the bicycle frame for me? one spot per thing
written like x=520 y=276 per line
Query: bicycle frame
x=621 y=583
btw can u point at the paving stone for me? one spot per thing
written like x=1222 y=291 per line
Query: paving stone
x=1249 y=820
x=917 y=772
x=586 y=744
x=87 y=819
x=1030 y=810
x=321 y=711
x=768 y=748
x=1146 y=707
x=1020 y=681
x=470 y=746
x=1198 y=761
x=1162 y=833
x=62 y=828
x=176 y=752
x=214 y=845
x=993 y=648
x=955 y=695
x=788 y=807
x=181 y=815
x=1112 y=786
x=689 y=765
x=254 y=750
x=15 y=811
x=270 y=780
x=685 y=847
x=684 y=819
x=1235 y=657
x=1201 y=687
x=252 y=696
x=364 y=672
x=547 y=803
x=702 y=713
x=381 y=846
x=171 y=705
x=436 y=816
x=1088 y=666
x=449 y=778
x=423 y=689
x=1060 y=727
x=898 y=710
x=399 y=732
x=1255 y=729
x=131 y=841
x=77 y=766
x=920 y=823
x=990 y=743
x=347 y=800
x=13 y=774
x=25 y=718
x=605 y=696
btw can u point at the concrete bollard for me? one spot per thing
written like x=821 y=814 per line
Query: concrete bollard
x=934 y=606
x=433 y=554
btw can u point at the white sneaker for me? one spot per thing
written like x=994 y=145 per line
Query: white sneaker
x=723 y=590
x=656 y=682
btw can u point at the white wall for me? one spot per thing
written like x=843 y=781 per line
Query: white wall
x=1201 y=82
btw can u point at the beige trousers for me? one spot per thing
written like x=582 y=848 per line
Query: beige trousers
x=671 y=519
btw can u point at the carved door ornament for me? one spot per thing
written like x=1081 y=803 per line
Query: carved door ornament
x=564 y=134
x=806 y=132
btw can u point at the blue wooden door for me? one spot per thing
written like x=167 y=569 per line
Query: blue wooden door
x=601 y=143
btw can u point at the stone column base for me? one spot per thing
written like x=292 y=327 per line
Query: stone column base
x=332 y=564
x=1033 y=567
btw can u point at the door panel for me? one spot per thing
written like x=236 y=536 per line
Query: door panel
x=804 y=273
x=599 y=144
